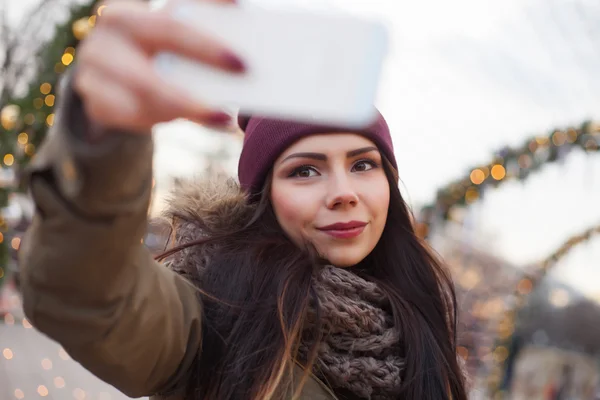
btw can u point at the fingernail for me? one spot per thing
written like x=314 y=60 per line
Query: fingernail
x=233 y=62
x=219 y=118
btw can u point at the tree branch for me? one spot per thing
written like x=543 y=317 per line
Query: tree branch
x=26 y=38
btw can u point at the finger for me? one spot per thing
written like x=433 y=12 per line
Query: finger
x=109 y=104
x=158 y=31
x=125 y=63
x=114 y=106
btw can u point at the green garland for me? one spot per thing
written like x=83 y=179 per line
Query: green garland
x=507 y=324
x=508 y=163
x=25 y=120
x=511 y=163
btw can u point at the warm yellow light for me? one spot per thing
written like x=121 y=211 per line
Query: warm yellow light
x=46 y=364
x=67 y=59
x=45 y=88
x=559 y=138
x=49 y=100
x=7 y=353
x=22 y=138
x=100 y=10
x=19 y=394
x=15 y=243
x=81 y=28
x=9 y=116
x=70 y=50
x=59 y=382
x=1 y=237
x=50 y=120
x=79 y=394
x=42 y=390
x=9 y=159
x=477 y=176
x=498 y=172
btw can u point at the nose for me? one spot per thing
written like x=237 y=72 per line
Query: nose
x=342 y=192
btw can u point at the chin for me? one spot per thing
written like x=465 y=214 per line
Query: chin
x=344 y=258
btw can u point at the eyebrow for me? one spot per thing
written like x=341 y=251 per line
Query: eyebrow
x=323 y=157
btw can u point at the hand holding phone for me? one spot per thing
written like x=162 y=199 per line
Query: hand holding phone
x=115 y=75
x=300 y=65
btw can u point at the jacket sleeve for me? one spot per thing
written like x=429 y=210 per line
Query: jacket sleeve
x=87 y=280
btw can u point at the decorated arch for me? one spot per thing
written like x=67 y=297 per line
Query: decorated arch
x=511 y=163
x=508 y=163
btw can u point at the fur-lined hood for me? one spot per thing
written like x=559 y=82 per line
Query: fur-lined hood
x=209 y=204
x=200 y=208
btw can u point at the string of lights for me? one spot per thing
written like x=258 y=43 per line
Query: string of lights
x=506 y=325
x=24 y=121
x=508 y=163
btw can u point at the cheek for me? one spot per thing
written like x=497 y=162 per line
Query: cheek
x=378 y=200
x=292 y=211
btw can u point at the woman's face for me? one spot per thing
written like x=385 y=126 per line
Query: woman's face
x=331 y=191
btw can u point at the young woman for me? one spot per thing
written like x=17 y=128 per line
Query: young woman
x=304 y=280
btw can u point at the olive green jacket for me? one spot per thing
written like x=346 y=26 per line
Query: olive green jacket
x=87 y=280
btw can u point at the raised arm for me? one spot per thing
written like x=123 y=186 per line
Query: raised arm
x=87 y=280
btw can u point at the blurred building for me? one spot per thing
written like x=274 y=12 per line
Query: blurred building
x=484 y=287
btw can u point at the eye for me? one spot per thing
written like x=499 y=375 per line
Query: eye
x=304 y=171
x=364 y=165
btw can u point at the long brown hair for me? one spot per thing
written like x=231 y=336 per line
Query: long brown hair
x=257 y=288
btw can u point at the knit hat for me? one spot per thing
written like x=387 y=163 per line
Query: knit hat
x=265 y=139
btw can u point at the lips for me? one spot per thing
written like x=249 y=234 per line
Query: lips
x=344 y=230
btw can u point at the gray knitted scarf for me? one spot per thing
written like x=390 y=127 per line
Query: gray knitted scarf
x=359 y=351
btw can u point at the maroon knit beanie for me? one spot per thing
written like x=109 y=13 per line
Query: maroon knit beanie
x=265 y=139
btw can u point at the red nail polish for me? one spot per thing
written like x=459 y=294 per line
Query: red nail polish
x=219 y=118
x=233 y=62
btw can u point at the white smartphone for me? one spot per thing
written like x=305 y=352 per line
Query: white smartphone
x=319 y=68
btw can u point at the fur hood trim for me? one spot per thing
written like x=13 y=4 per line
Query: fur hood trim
x=200 y=208
x=213 y=205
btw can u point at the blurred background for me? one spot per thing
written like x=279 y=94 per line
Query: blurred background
x=494 y=108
